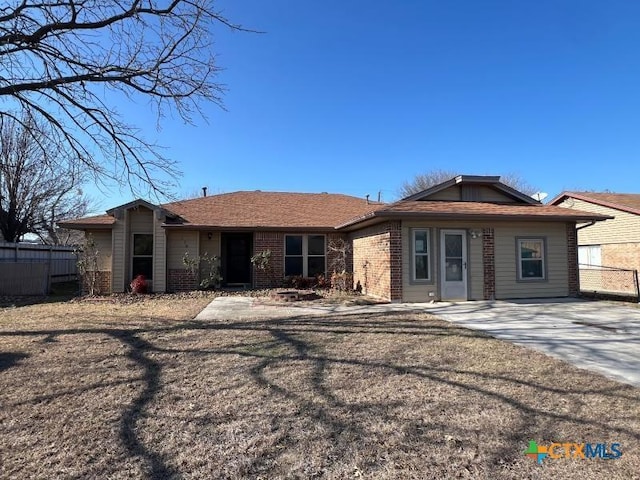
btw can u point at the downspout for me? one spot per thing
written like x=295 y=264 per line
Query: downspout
x=591 y=223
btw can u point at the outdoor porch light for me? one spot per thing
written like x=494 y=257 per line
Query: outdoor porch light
x=474 y=233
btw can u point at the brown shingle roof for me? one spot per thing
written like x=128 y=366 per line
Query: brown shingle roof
x=270 y=210
x=328 y=210
x=478 y=210
x=95 y=221
x=627 y=202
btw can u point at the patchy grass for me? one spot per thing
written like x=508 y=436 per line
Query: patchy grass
x=133 y=388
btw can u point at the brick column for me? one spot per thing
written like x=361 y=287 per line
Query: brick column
x=395 y=259
x=572 y=260
x=489 y=263
x=273 y=276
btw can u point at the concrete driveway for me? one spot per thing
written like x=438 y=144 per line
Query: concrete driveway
x=600 y=336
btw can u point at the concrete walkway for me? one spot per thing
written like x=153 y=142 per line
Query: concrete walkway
x=600 y=336
x=248 y=308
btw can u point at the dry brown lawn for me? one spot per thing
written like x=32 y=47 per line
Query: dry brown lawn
x=139 y=390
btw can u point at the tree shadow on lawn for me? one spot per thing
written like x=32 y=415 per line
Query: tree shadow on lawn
x=10 y=359
x=315 y=364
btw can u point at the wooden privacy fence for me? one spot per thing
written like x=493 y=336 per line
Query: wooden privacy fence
x=30 y=269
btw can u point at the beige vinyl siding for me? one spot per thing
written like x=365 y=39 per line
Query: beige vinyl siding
x=420 y=292
x=141 y=220
x=178 y=243
x=556 y=282
x=475 y=193
x=488 y=194
x=624 y=228
x=120 y=253
x=210 y=246
x=448 y=194
x=159 y=256
x=103 y=242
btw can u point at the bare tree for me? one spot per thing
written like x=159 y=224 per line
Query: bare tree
x=66 y=62
x=434 y=177
x=38 y=185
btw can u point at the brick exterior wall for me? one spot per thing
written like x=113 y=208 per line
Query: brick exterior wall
x=273 y=241
x=621 y=255
x=180 y=280
x=572 y=260
x=489 y=263
x=377 y=260
x=103 y=283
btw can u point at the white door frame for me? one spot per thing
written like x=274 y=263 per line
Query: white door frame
x=453 y=290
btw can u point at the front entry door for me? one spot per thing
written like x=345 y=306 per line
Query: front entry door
x=453 y=264
x=236 y=258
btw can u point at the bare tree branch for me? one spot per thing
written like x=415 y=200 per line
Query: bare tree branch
x=58 y=58
x=39 y=185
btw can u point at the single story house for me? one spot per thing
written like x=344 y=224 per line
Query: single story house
x=614 y=243
x=468 y=238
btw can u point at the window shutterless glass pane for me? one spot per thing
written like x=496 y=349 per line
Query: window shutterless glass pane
x=142 y=244
x=453 y=245
x=530 y=249
x=293 y=245
x=422 y=267
x=315 y=266
x=420 y=241
x=453 y=270
x=142 y=266
x=292 y=266
x=316 y=245
x=531 y=268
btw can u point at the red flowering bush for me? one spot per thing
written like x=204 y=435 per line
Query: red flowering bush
x=139 y=284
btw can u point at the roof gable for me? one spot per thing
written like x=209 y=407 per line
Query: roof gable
x=465 y=188
x=133 y=204
x=624 y=202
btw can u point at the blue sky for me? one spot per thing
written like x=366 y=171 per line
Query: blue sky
x=358 y=96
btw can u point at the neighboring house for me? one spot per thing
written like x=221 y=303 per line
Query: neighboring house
x=469 y=238
x=614 y=243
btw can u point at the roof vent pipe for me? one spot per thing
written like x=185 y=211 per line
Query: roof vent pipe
x=204 y=191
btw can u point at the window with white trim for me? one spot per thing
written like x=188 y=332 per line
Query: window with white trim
x=304 y=255
x=421 y=252
x=531 y=259
x=590 y=256
x=142 y=257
